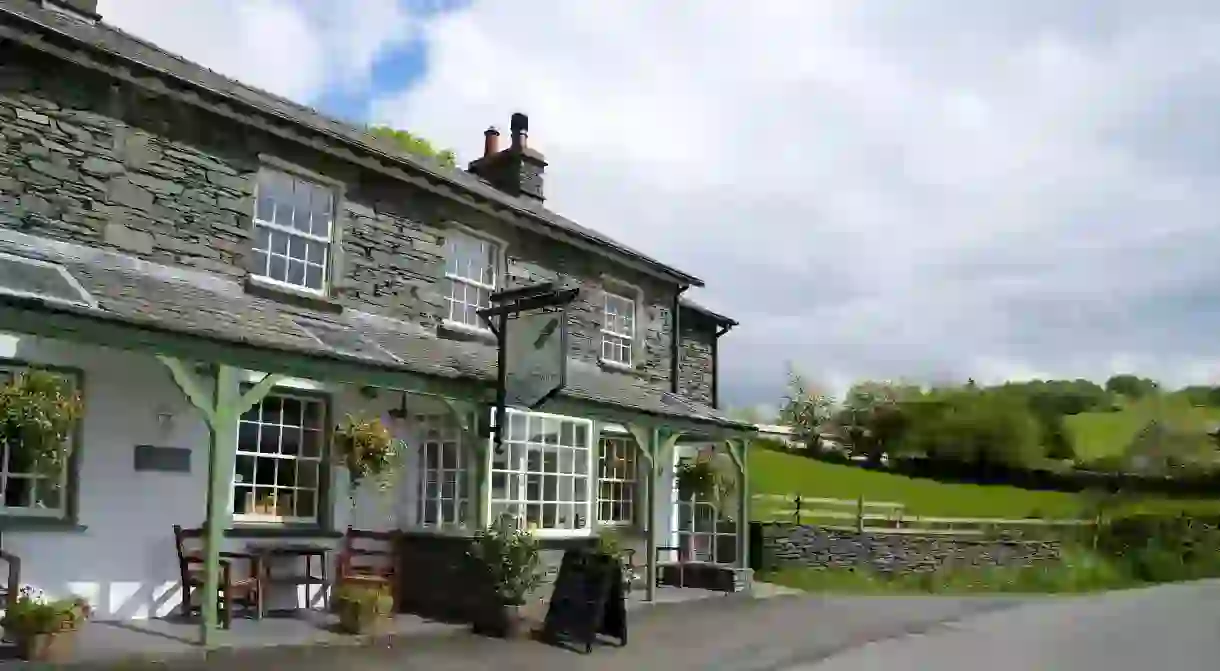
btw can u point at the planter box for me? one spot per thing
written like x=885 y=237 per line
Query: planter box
x=703 y=575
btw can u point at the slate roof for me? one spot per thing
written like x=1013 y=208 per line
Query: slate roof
x=183 y=300
x=706 y=312
x=112 y=41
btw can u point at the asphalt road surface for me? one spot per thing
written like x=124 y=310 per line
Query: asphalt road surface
x=1166 y=628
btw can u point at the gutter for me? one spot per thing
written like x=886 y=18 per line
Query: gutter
x=675 y=340
x=716 y=362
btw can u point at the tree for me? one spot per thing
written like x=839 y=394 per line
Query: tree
x=873 y=418
x=1131 y=386
x=415 y=144
x=979 y=426
x=806 y=409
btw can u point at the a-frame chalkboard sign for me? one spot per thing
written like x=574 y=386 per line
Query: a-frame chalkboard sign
x=588 y=600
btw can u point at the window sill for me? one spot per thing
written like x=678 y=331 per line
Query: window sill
x=458 y=331
x=276 y=292
x=280 y=531
x=40 y=524
x=616 y=366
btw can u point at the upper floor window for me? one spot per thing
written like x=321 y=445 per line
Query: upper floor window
x=618 y=329
x=470 y=269
x=293 y=227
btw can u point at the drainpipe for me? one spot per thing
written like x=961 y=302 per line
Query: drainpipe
x=716 y=363
x=675 y=341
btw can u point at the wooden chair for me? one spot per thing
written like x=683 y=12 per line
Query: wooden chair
x=369 y=557
x=234 y=591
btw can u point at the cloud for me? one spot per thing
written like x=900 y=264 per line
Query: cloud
x=300 y=49
x=928 y=190
x=885 y=189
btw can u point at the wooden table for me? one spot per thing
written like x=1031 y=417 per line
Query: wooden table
x=267 y=553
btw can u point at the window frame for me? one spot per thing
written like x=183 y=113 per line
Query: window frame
x=628 y=484
x=692 y=534
x=498 y=254
x=331 y=271
x=590 y=475
x=322 y=495
x=68 y=512
x=465 y=496
x=618 y=336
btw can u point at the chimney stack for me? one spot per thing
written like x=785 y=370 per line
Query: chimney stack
x=516 y=170
x=491 y=142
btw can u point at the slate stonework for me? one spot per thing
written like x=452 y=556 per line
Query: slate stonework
x=85 y=161
x=696 y=363
x=787 y=544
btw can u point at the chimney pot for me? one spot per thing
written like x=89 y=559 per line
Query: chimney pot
x=519 y=125
x=491 y=142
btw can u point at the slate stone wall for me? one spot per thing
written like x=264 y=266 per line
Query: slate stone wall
x=696 y=363
x=85 y=160
x=787 y=544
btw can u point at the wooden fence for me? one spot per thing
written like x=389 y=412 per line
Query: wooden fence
x=886 y=516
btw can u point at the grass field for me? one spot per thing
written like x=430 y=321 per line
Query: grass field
x=1102 y=434
x=778 y=473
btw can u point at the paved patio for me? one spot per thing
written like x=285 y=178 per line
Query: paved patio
x=175 y=638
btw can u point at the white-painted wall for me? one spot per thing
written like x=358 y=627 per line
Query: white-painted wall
x=123 y=559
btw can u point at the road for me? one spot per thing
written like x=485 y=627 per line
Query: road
x=1166 y=628
x=1169 y=628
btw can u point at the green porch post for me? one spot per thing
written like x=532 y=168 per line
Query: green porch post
x=221 y=412
x=655 y=444
x=739 y=452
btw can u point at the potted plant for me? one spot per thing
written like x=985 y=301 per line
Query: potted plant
x=363 y=608
x=510 y=555
x=44 y=630
x=367 y=449
x=38 y=411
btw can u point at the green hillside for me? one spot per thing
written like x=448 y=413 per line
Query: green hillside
x=778 y=473
x=1102 y=434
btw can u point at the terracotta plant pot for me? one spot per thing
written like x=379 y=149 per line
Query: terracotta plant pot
x=57 y=647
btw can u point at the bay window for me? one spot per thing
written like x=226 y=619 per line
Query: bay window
x=542 y=476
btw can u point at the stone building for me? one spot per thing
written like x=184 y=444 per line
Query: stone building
x=225 y=275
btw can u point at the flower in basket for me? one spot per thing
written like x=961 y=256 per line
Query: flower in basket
x=368 y=450
x=38 y=410
x=31 y=613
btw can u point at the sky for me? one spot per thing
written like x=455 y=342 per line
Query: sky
x=925 y=191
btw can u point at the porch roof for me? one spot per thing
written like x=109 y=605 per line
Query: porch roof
x=203 y=316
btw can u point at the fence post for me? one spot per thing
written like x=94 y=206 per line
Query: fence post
x=860 y=514
x=797 y=513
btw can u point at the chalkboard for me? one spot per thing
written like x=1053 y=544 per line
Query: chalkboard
x=587 y=600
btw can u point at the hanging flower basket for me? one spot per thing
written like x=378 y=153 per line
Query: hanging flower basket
x=38 y=411
x=367 y=449
x=702 y=480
